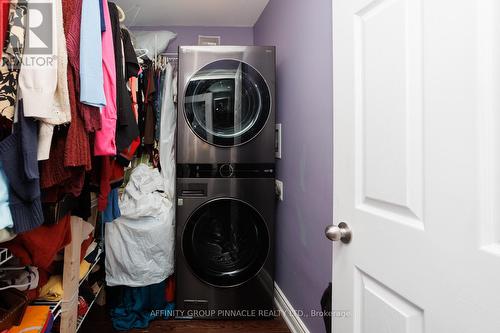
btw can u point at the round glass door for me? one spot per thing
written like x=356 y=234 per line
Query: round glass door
x=227 y=103
x=225 y=242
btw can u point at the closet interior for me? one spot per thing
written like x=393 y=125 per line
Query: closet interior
x=95 y=205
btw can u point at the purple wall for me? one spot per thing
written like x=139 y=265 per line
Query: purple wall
x=302 y=33
x=189 y=35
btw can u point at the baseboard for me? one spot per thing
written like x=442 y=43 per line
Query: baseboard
x=292 y=320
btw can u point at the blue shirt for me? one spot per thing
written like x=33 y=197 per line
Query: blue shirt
x=103 y=21
x=91 y=72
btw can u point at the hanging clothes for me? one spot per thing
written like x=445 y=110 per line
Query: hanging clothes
x=4 y=22
x=18 y=156
x=38 y=80
x=12 y=58
x=142 y=95
x=53 y=172
x=112 y=211
x=149 y=107
x=44 y=86
x=126 y=126
x=132 y=69
x=167 y=131
x=70 y=152
x=61 y=110
x=77 y=151
x=112 y=177
x=160 y=87
x=127 y=155
x=91 y=76
x=90 y=115
x=105 y=141
x=104 y=182
x=101 y=12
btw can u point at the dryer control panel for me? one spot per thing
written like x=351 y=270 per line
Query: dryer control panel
x=226 y=170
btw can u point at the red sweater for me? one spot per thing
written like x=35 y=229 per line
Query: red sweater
x=77 y=144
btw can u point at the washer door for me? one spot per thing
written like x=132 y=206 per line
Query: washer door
x=225 y=242
x=227 y=103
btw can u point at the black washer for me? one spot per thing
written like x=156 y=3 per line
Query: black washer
x=225 y=242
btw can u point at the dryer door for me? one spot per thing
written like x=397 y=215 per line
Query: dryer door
x=227 y=103
x=225 y=242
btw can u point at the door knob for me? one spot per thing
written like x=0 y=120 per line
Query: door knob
x=339 y=233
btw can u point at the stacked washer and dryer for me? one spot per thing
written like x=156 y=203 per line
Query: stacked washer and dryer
x=225 y=182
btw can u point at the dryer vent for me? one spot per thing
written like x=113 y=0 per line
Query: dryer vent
x=208 y=40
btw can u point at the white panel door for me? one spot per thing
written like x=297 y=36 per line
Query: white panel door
x=417 y=166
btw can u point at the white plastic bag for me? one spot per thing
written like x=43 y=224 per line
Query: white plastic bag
x=151 y=40
x=141 y=197
x=140 y=244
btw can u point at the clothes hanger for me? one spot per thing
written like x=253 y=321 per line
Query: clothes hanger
x=121 y=14
x=141 y=53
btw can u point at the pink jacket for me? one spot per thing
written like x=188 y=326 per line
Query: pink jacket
x=105 y=144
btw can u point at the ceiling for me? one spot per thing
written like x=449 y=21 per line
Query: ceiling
x=209 y=13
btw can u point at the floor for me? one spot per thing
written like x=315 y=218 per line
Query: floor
x=98 y=321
